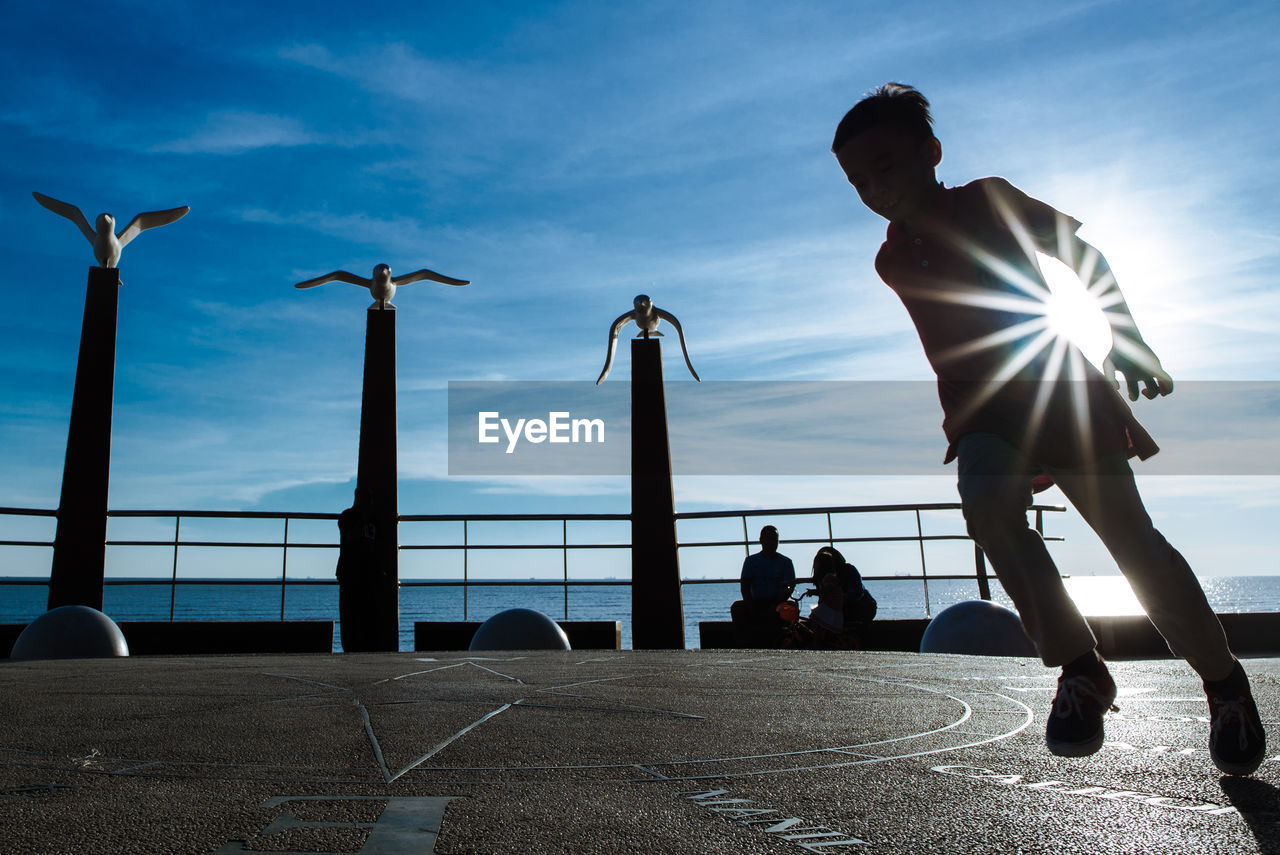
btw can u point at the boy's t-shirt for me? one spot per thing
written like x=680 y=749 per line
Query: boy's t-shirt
x=975 y=292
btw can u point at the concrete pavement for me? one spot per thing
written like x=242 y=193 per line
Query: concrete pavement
x=610 y=751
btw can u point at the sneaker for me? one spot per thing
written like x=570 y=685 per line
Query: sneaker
x=1237 y=742
x=1074 y=728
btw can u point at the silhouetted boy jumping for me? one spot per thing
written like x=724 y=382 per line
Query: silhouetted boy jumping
x=1019 y=402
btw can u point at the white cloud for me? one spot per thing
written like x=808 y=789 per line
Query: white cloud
x=226 y=132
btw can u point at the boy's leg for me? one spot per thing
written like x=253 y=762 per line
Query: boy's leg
x=995 y=491
x=1107 y=498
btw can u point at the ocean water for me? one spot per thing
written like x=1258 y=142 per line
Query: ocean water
x=898 y=598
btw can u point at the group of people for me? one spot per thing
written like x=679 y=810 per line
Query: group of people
x=767 y=614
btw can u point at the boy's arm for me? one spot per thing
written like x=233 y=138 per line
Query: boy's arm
x=1129 y=355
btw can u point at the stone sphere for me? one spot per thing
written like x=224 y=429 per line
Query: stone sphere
x=70 y=632
x=520 y=629
x=979 y=628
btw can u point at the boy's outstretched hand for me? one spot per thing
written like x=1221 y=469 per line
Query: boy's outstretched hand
x=1131 y=356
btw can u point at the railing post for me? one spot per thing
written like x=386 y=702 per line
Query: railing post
x=831 y=538
x=564 y=530
x=284 y=566
x=173 y=586
x=980 y=569
x=924 y=573
x=746 y=538
x=464 y=570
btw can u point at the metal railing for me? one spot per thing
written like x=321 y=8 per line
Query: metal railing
x=466 y=546
x=920 y=538
x=176 y=544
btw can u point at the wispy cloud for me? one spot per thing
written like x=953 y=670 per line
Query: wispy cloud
x=399 y=71
x=236 y=132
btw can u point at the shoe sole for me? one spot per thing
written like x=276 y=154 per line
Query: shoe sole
x=1247 y=767
x=1079 y=749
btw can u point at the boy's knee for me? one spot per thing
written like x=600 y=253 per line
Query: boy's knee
x=992 y=510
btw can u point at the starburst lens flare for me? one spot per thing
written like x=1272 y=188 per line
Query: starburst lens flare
x=1072 y=312
x=1100 y=596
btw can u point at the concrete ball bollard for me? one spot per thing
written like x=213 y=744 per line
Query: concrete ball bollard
x=978 y=628
x=70 y=632
x=520 y=629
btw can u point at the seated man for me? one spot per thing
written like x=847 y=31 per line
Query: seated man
x=768 y=579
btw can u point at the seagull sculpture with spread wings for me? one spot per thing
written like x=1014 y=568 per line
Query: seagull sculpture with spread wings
x=107 y=245
x=382 y=285
x=647 y=317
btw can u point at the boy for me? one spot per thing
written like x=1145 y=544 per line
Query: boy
x=1019 y=402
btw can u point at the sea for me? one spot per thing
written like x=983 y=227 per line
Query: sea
x=905 y=597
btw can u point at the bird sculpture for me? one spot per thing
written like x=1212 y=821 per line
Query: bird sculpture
x=647 y=317
x=107 y=245
x=382 y=285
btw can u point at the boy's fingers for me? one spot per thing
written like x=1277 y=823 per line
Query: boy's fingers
x=1109 y=371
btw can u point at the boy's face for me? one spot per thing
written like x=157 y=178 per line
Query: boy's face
x=892 y=171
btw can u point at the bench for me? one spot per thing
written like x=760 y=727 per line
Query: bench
x=457 y=634
x=882 y=635
x=1119 y=636
x=190 y=637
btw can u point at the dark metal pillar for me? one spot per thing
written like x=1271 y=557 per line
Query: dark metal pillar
x=376 y=474
x=79 y=545
x=657 y=611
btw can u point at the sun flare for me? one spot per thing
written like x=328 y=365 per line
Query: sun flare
x=1072 y=312
x=1103 y=595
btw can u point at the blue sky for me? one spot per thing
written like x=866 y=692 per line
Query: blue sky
x=565 y=157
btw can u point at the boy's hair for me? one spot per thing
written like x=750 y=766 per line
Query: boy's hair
x=893 y=103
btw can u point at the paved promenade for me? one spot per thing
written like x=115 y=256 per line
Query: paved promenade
x=698 y=751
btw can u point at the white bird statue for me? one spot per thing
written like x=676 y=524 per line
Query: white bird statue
x=647 y=317
x=107 y=245
x=382 y=285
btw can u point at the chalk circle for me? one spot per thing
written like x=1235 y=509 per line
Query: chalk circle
x=70 y=632
x=978 y=628
x=520 y=629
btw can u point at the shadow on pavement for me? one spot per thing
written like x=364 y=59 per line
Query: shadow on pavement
x=1259 y=804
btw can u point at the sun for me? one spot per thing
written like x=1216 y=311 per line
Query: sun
x=1072 y=312
x=1103 y=595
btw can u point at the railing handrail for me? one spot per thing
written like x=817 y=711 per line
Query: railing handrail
x=176 y=543
x=28 y=512
x=681 y=515
x=189 y=514
x=512 y=517
x=840 y=509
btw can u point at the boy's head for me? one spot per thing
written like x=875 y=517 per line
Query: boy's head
x=896 y=104
x=887 y=149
